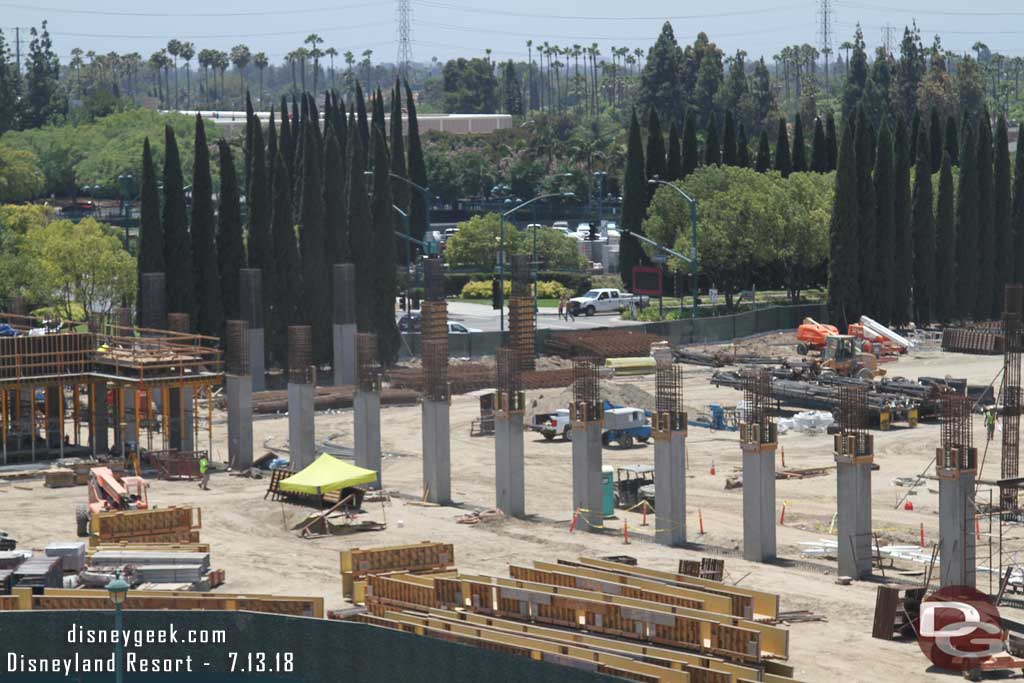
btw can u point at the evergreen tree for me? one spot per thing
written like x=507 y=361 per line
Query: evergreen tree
x=831 y=142
x=885 y=225
x=177 y=243
x=819 y=151
x=230 y=246
x=296 y=122
x=945 y=244
x=286 y=290
x=690 y=154
x=924 y=232
x=763 y=162
x=399 y=188
x=1017 y=214
x=417 y=170
x=799 y=157
x=359 y=229
x=1002 y=219
x=936 y=139
x=260 y=244
x=986 y=300
x=384 y=283
x=271 y=156
x=712 y=146
x=967 y=224
x=10 y=89
x=915 y=129
x=44 y=100
x=335 y=210
x=844 y=268
x=250 y=124
x=284 y=142
x=655 y=157
x=729 y=140
x=151 y=232
x=903 y=241
x=364 y=123
x=208 y=311
x=783 y=160
x=857 y=76
x=864 y=141
x=661 y=80
x=634 y=203
x=742 y=148
x=674 y=165
x=378 y=114
x=316 y=281
x=952 y=146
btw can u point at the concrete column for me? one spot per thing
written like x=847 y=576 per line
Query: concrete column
x=586 y=469
x=509 y=472
x=853 y=499
x=239 y=397
x=437 y=456
x=250 y=288
x=670 y=489
x=99 y=416
x=53 y=412
x=366 y=419
x=344 y=324
x=957 y=540
x=301 y=429
x=188 y=425
x=758 y=501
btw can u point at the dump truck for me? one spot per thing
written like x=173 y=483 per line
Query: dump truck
x=110 y=493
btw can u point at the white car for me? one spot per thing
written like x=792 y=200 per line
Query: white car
x=448 y=233
x=559 y=225
x=459 y=328
x=562 y=229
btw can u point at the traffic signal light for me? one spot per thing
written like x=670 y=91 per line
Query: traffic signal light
x=496 y=294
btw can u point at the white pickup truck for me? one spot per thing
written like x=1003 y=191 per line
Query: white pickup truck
x=605 y=300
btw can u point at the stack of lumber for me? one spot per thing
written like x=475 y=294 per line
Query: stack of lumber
x=359 y=563
x=71 y=554
x=628 y=621
x=58 y=478
x=158 y=567
x=157 y=547
x=6 y=580
x=10 y=559
x=39 y=572
x=160 y=525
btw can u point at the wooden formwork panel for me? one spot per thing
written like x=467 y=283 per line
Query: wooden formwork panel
x=735 y=642
x=117 y=526
x=396 y=590
x=415 y=557
x=662 y=595
x=181 y=537
x=155 y=547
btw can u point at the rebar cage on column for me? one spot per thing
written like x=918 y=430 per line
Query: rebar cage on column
x=368 y=370
x=236 y=353
x=853 y=420
x=435 y=369
x=507 y=371
x=433 y=279
x=1013 y=346
x=956 y=438
x=522 y=322
x=178 y=322
x=759 y=406
x=586 y=389
x=300 y=354
x=668 y=397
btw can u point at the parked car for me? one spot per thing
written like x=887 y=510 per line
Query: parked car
x=412 y=322
x=459 y=328
x=448 y=234
x=558 y=225
x=605 y=300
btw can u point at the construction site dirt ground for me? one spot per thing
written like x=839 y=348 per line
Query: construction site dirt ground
x=254 y=541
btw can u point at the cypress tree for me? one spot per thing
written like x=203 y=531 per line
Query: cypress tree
x=903 y=242
x=378 y=113
x=690 y=153
x=936 y=138
x=1017 y=213
x=831 y=143
x=335 y=211
x=251 y=121
x=783 y=160
x=924 y=232
x=915 y=129
x=985 y=299
x=945 y=244
x=359 y=226
x=967 y=224
x=742 y=148
x=316 y=276
x=177 y=243
x=417 y=170
x=230 y=246
x=867 y=233
x=285 y=139
x=712 y=146
x=763 y=163
x=674 y=165
x=260 y=244
x=729 y=140
x=843 y=268
x=799 y=157
x=655 y=156
x=271 y=154
x=208 y=311
x=1002 y=219
x=286 y=292
x=384 y=283
x=952 y=146
x=819 y=151
x=151 y=232
x=885 y=226
x=364 y=123
x=296 y=123
x=634 y=204
x=399 y=188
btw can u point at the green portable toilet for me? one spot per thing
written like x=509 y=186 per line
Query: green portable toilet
x=607 y=491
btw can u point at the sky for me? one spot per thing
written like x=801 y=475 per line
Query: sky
x=453 y=28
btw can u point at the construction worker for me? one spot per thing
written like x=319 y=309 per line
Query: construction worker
x=204 y=471
x=990 y=423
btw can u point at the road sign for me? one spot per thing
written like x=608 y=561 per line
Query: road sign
x=647 y=280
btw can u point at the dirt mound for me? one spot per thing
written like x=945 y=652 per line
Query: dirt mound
x=618 y=393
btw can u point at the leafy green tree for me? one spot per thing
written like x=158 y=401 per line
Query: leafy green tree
x=742 y=148
x=661 y=88
x=910 y=70
x=655 y=157
x=45 y=101
x=690 y=154
x=799 y=157
x=844 y=264
x=763 y=163
x=476 y=243
x=945 y=243
x=151 y=234
x=286 y=292
x=230 y=246
x=316 y=281
x=857 y=76
x=903 y=241
x=674 y=165
x=634 y=203
x=884 y=263
x=10 y=90
x=924 y=233
x=729 y=140
x=710 y=75
x=208 y=311
x=20 y=176
x=417 y=169
x=177 y=242
x=803 y=245
x=712 y=145
x=819 y=151
x=967 y=211
x=1002 y=218
x=384 y=283
x=987 y=303
x=762 y=96
x=1017 y=213
x=783 y=160
x=470 y=86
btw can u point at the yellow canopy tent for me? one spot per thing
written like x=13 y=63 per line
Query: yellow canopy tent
x=326 y=474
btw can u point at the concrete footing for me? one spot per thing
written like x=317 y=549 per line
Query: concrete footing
x=957 y=540
x=366 y=417
x=509 y=475
x=437 y=457
x=301 y=428
x=586 y=474
x=345 y=357
x=853 y=498
x=670 y=475
x=758 y=502
x=239 y=398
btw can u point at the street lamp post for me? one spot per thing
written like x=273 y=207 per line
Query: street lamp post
x=600 y=175
x=425 y=191
x=693 y=243
x=118 y=589
x=501 y=247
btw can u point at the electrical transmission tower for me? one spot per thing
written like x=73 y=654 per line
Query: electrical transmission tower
x=825 y=35
x=404 y=16
x=889 y=38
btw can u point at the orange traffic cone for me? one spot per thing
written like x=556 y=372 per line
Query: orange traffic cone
x=712 y=468
x=908 y=505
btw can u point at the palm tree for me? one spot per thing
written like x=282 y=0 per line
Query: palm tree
x=529 y=74
x=488 y=53
x=350 y=79
x=174 y=49
x=292 y=58
x=76 y=65
x=332 y=53
x=367 y=54
x=301 y=55
x=240 y=57
x=847 y=45
x=207 y=58
x=261 y=62
x=313 y=40
x=187 y=52
x=157 y=63
x=221 y=64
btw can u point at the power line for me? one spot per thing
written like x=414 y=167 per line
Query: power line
x=900 y=8
x=404 y=38
x=349 y=27
x=889 y=38
x=129 y=13
x=529 y=15
x=825 y=36
x=587 y=36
